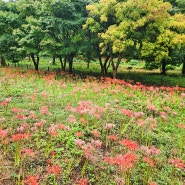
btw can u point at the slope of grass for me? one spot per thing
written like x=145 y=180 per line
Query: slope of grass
x=87 y=131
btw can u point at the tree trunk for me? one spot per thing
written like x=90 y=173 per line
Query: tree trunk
x=114 y=69
x=163 y=68
x=61 y=63
x=101 y=66
x=53 y=61
x=104 y=66
x=88 y=64
x=70 y=60
x=115 y=65
x=35 y=61
x=183 y=67
x=3 y=62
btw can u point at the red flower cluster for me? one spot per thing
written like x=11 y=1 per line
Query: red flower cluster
x=126 y=112
x=178 y=163
x=149 y=161
x=31 y=180
x=129 y=144
x=126 y=161
x=82 y=182
x=17 y=137
x=3 y=133
x=55 y=169
x=113 y=137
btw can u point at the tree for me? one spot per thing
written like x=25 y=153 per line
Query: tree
x=177 y=25
x=8 y=22
x=29 y=35
x=101 y=16
x=62 y=23
x=127 y=26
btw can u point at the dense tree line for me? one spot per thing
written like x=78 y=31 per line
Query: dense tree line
x=109 y=30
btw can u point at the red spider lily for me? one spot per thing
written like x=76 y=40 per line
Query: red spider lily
x=44 y=110
x=17 y=137
x=82 y=182
x=23 y=127
x=96 y=143
x=32 y=115
x=126 y=161
x=95 y=133
x=83 y=121
x=15 y=110
x=28 y=152
x=126 y=112
x=140 y=122
x=88 y=151
x=150 y=151
x=149 y=161
x=4 y=103
x=79 y=134
x=54 y=169
x=119 y=180
x=79 y=142
x=181 y=125
x=113 y=137
x=61 y=126
x=71 y=119
x=129 y=144
x=31 y=180
x=52 y=130
x=178 y=163
x=109 y=126
x=154 y=150
x=151 y=107
x=138 y=114
x=38 y=124
x=20 y=116
x=152 y=183
x=3 y=133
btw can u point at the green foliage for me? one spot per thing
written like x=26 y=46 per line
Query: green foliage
x=106 y=29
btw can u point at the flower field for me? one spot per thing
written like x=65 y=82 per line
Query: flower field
x=80 y=132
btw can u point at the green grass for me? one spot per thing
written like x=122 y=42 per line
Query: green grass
x=137 y=74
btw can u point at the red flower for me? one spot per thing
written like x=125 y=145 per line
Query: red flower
x=126 y=161
x=78 y=134
x=28 y=152
x=31 y=180
x=3 y=133
x=126 y=112
x=20 y=116
x=129 y=144
x=178 y=163
x=152 y=183
x=149 y=161
x=181 y=125
x=95 y=133
x=17 y=137
x=113 y=137
x=54 y=169
x=44 y=110
x=4 y=103
x=83 y=182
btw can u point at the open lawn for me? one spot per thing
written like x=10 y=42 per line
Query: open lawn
x=71 y=131
x=138 y=73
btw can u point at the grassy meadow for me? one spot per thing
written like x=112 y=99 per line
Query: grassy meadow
x=138 y=73
x=89 y=131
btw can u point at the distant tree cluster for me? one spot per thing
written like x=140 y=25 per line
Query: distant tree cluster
x=109 y=30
